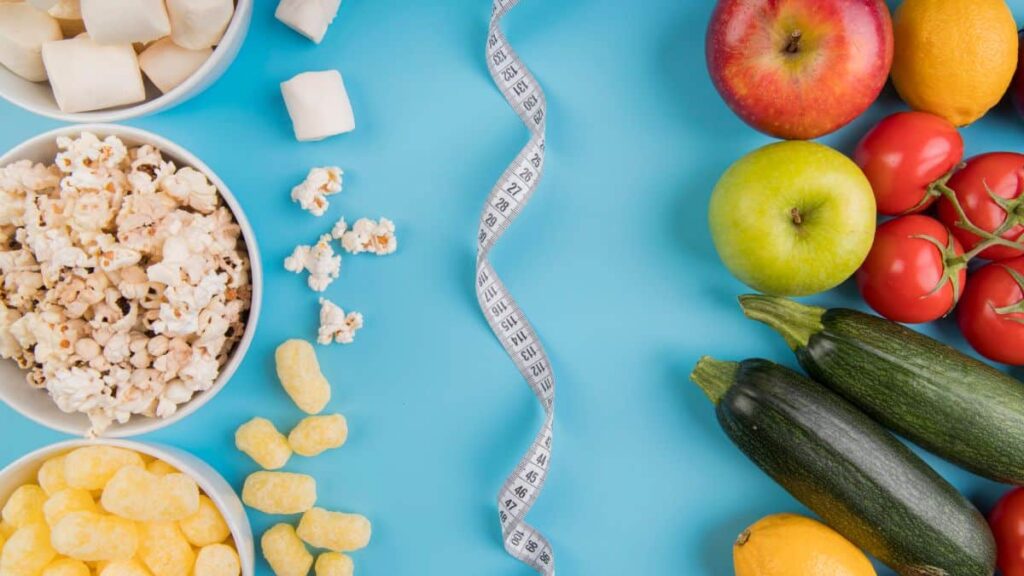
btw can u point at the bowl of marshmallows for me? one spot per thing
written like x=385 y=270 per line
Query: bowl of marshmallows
x=110 y=60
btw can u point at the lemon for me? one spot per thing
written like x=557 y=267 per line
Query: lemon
x=954 y=58
x=791 y=545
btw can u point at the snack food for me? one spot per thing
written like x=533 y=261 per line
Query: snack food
x=199 y=24
x=206 y=527
x=66 y=567
x=25 y=506
x=334 y=564
x=285 y=553
x=167 y=65
x=137 y=494
x=318 y=105
x=316 y=434
x=336 y=325
x=300 y=375
x=320 y=183
x=119 y=22
x=27 y=551
x=308 y=17
x=279 y=492
x=259 y=439
x=217 y=560
x=23 y=31
x=319 y=260
x=366 y=235
x=164 y=549
x=336 y=531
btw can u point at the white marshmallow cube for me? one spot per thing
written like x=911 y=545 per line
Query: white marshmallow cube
x=167 y=65
x=88 y=76
x=43 y=5
x=199 y=24
x=318 y=105
x=23 y=31
x=308 y=17
x=120 y=22
x=69 y=14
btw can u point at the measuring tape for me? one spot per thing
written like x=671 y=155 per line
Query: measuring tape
x=506 y=200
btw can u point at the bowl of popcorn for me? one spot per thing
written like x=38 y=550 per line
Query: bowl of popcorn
x=110 y=60
x=130 y=281
x=120 y=508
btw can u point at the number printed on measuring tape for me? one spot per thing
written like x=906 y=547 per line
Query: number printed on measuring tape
x=508 y=197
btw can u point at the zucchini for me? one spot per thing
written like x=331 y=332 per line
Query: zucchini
x=937 y=397
x=849 y=470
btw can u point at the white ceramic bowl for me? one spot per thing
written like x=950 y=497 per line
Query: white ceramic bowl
x=38 y=97
x=24 y=470
x=36 y=404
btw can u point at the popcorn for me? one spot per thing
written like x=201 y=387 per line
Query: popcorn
x=316 y=434
x=92 y=536
x=120 y=22
x=136 y=494
x=66 y=567
x=300 y=375
x=260 y=440
x=206 y=526
x=318 y=105
x=167 y=65
x=279 y=492
x=285 y=553
x=335 y=325
x=164 y=549
x=23 y=31
x=25 y=506
x=375 y=237
x=199 y=24
x=66 y=501
x=27 y=551
x=334 y=531
x=308 y=17
x=319 y=260
x=334 y=564
x=319 y=183
x=217 y=560
x=86 y=75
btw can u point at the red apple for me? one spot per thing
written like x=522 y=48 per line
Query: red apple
x=799 y=69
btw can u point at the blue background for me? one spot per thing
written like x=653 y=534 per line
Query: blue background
x=612 y=261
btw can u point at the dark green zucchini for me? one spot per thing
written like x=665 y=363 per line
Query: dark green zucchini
x=939 y=398
x=848 y=469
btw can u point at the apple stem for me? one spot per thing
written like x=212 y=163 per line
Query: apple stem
x=795 y=214
x=793 y=46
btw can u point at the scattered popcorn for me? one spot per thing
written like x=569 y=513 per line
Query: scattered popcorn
x=260 y=440
x=25 y=506
x=319 y=184
x=86 y=75
x=335 y=325
x=285 y=553
x=66 y=501
x=124 y=283
x=316 y=434
x=308 y=17
x=217 y=560
x=199 y=24
x=167 y=65
x=92 y=536
x=376 y=237
x=318 y=105
x=164 y=549
x=335 y=531
x=279 y=492
x=206 y=526
x=300 y=375
x=139 y=495
x=23 y=31
x=27 y=551
x=334 y=564
x=319 y=260
x=120 y=22
x=66 y=567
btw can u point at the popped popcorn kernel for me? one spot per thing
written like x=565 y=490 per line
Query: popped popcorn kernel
x=124 y=568
x=66 y=567
x=319 y=260
x=206 y=526
x=316 y=434
x=217 y=560
x=334 y=564
x=66 y=501
x=91 y=467
x=335 y=325
x=285 y=553
x=300 y=375
x=320 y=183
x=164 y=549
x=139 y=495
x=375 y=237
x=25 y=506
x=279 y=492
x=51 y=475
x=91 y=536
x=27 y=551
x=260 y=440
x=336 y=531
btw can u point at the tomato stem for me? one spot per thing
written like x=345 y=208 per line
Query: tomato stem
x=989 y=239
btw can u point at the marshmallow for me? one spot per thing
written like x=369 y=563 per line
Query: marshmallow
x=69 y=14
x=318 y=105
x=120 y=22
x=198 y=24
x=87 y=76
x=43 y=5
x=308 y=17
x=23 y=31
x=166 y=64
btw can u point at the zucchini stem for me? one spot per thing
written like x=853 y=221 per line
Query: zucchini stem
x=795 y=321
x=714 y=377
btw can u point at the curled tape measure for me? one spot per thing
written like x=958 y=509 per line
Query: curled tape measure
x=509 y=196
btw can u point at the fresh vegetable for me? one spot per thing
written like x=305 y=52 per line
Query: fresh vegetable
x=1007 y=522
x=793 y=218
x=842 y=465
x=949 y=403
x=788 y=544
x=907 y=157
x=915 y=271
x=990 y=207
x=991 y=313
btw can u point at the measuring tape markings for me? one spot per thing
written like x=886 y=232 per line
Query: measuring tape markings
x=508 y=322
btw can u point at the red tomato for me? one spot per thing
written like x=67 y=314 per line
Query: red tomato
x=1007 y=522
x=1000 y=172
x=991 y=315
x=903 y=155
x=909 y=275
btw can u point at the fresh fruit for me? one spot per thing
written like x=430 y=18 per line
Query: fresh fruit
x=799 y=69
x=793 y=218
x=1017 y=90
x=991 y=314
x=988 y=189
x=954 y=58
x=860 y=479
x=1007 y=522
x=906 y=157
x=915 y=271
x=932 y=394
x=788 y=544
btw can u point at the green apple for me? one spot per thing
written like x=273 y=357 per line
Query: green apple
x=793 y=218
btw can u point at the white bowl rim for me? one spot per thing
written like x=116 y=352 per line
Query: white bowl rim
x=235 y=32
x=240 y=532
x=141 y=424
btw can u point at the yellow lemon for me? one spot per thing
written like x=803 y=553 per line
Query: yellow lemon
x=791 y=545
x=954 y=58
